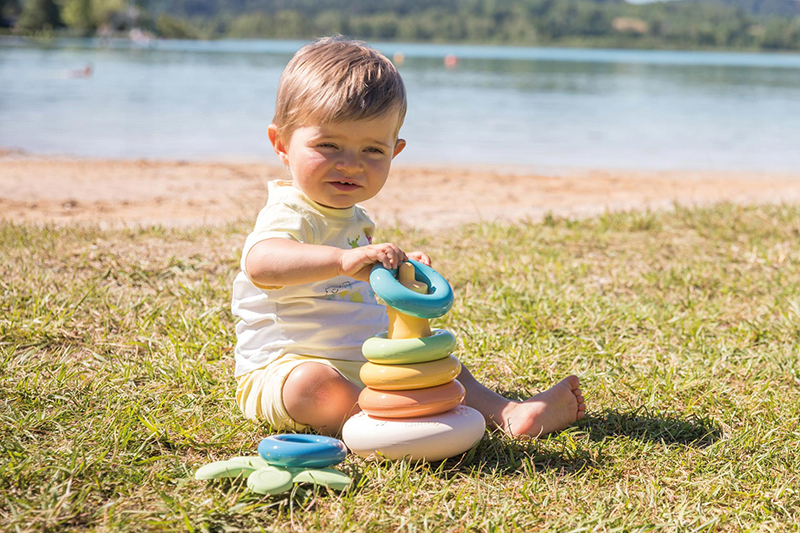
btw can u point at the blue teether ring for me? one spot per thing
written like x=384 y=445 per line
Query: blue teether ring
x=311 y=451
x=436 y=303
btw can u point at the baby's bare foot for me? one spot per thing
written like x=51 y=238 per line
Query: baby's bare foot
x=551 y=410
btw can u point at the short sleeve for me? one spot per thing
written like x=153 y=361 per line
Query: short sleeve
x=279 y=221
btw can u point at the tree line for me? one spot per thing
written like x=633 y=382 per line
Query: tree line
x=688 y=24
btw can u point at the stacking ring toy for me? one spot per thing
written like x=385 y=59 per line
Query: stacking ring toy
x=416 y=376
x=430 y=438
x=313 y=451
x=435 y=303
x=382 y=350
x=411 y=403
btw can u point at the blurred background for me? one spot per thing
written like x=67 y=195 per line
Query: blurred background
x=536 y=84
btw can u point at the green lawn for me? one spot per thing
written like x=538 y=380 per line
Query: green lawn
x=116 y=380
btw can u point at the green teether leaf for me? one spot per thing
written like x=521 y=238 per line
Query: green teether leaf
x=327 y=477
x=221 y=469
x=254 y=461
x=270 y=480
x=230 y=468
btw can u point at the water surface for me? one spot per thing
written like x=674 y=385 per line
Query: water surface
x=539 y=108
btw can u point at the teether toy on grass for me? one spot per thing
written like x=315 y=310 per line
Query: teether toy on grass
x=283 y=461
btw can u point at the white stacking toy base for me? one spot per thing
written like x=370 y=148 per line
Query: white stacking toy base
x=428 y=438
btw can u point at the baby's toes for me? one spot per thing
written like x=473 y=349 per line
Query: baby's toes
x=572 y=382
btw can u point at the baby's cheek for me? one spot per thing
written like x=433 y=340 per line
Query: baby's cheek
x=314 y=160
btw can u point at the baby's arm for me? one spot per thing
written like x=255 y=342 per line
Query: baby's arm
x=281 y=262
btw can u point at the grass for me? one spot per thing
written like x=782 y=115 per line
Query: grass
x=116 y=380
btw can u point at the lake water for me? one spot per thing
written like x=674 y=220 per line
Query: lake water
x=537 y=108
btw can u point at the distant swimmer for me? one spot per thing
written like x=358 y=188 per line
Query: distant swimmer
x=141 y=37
x=85 y=72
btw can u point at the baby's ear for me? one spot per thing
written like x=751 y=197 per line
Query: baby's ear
x=278 y=144
x=398 y=147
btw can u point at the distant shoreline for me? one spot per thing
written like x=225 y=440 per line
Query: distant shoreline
x=170 y=44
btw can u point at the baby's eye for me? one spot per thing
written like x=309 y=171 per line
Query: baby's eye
x=374 y=150
x=326 y=145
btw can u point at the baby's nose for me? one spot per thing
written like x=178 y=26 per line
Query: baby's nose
x=348 y=162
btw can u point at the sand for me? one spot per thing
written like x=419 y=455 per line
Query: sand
x=176 y=193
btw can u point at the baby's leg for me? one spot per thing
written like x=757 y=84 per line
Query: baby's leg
x=319 y=396
x=551 y=410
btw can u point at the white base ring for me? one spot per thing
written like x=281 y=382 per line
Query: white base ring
x=429 y=438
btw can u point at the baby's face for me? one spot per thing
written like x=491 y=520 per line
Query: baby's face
x=341 y=164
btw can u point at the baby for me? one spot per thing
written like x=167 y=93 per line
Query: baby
x=302 y=297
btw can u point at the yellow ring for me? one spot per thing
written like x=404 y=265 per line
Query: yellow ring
x=413 y=376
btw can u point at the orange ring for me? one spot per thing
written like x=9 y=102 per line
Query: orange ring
x=413 y=376
x=411 y=403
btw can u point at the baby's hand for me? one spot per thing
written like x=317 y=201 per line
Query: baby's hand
x=422 y=257
x=358 y=262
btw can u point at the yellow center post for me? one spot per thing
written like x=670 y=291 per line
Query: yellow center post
x=401 y=325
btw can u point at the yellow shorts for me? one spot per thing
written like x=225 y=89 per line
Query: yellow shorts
x=260 y=393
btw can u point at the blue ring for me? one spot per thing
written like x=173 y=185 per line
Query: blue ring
x=436 y=303
x=297 y=450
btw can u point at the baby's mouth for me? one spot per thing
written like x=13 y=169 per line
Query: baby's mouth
x=345 y=185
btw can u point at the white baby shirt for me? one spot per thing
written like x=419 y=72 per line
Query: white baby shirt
x=330 y=318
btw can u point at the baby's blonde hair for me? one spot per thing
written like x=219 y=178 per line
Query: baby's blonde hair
x=332 y=80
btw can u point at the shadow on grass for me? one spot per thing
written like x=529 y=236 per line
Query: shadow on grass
x=563 y=451
x=641 y=425
x=498 y=454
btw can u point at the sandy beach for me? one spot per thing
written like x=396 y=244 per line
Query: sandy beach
x=177 y=193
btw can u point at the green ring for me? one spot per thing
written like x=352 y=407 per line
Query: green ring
x=385 y=351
